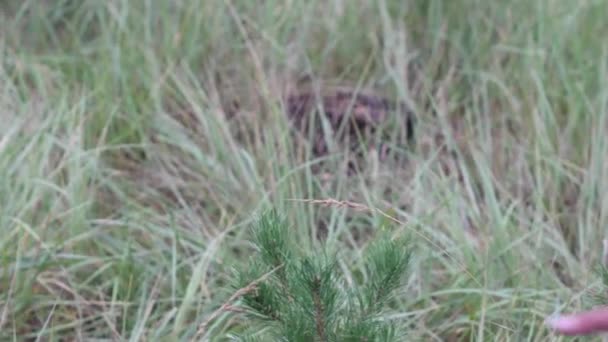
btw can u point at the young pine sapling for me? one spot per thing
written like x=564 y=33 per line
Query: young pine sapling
x=305 y=297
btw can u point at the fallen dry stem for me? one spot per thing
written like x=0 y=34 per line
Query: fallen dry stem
x=227 y=306
x=330 y=202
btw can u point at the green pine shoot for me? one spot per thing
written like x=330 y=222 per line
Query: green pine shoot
x=305 y=297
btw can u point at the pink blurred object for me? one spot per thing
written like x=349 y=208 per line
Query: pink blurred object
x=587 y=322
x=584 y=323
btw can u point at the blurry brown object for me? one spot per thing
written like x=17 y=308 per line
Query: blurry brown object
x=365 y=112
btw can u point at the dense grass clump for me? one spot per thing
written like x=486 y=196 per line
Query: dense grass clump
x=138 y=138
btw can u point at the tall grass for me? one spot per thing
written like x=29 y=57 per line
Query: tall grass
x=126 y=184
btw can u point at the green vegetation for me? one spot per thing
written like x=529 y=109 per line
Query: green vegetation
x=305 y=298
x=140 y=139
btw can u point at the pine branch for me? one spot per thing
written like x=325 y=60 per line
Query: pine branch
x=319 y=313
x=388 y=262
x=271 y=237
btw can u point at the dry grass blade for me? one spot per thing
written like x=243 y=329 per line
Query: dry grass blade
x=330 y=202
x=227 y=306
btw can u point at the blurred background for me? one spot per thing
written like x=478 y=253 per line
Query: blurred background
x=139 y=138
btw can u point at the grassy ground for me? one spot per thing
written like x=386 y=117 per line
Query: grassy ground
x=126 y=191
